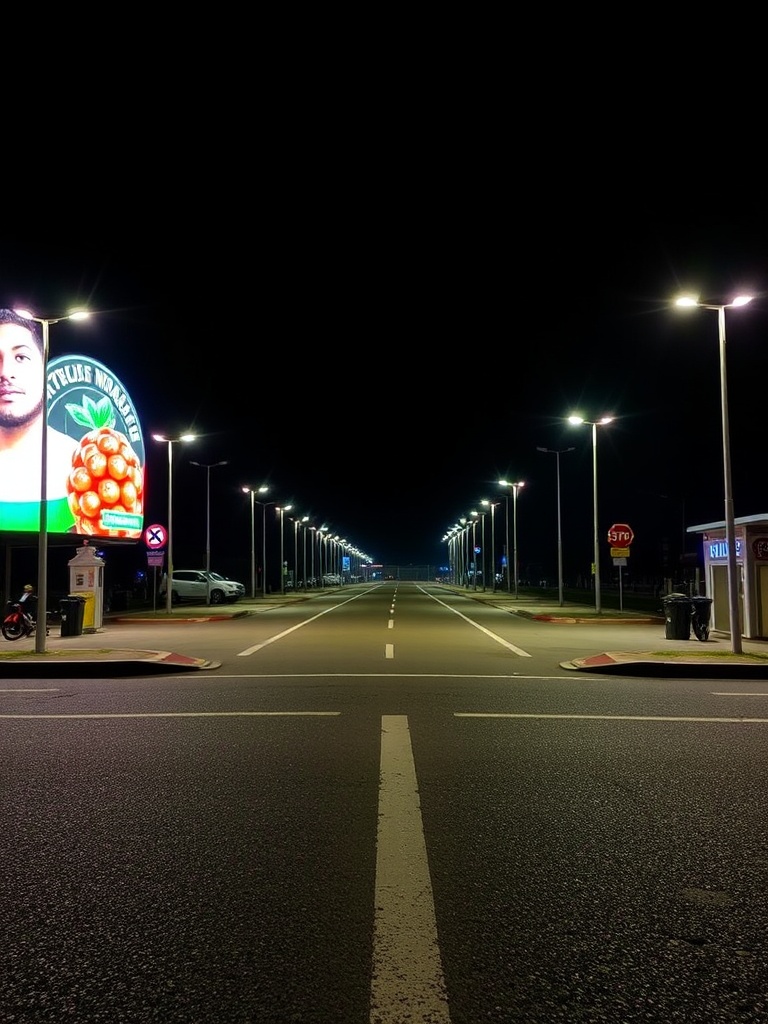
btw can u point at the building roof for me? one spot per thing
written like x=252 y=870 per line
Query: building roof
x=760 y=520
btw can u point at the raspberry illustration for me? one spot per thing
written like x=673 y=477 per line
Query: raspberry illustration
x=106 y=474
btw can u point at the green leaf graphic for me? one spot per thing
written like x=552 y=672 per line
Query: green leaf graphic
x=93 y=415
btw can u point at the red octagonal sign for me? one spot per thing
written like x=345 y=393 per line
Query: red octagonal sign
x=620 y=535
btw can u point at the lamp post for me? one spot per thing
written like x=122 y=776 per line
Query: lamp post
x=577 y=420
x=282 y=510
x=492 y=505
x=304 y=558
x=171 y=441
x=311 y=555
x=253 y=492
x=297 y=521
x=42 y=541
x=321 y=550
x=557 y=453
x=515 y=488
x=730 y=525
x=208 y=467
x=464 y=551
x=482 y=543
x=473 y=560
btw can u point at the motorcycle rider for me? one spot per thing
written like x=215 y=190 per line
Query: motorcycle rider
x=28 y=601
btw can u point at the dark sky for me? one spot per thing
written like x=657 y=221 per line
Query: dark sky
x=382 y=354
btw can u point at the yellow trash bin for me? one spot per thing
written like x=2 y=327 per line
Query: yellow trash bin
x=89 y=611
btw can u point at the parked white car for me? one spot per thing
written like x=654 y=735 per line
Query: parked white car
x=194 y=584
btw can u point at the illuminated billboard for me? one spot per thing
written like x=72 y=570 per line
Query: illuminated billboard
x=95 y=451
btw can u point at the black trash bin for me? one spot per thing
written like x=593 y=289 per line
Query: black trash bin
x=702 y=610
x=72 y=615
x=677 y=616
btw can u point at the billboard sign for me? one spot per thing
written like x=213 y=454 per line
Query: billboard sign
x=95 y=458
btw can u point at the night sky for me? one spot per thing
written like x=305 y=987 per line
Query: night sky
x=382 y=358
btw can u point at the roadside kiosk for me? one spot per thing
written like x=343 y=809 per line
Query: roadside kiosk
x=751 y=534
x=86 y=580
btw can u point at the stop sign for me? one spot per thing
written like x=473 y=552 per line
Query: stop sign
x=620 y=535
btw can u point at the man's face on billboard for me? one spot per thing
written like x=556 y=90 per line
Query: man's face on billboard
x=21 y=377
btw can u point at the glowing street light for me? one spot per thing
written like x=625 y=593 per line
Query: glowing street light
x=282 y=510
x=254 y=491
x=297 y=521
x=558 y=453
x=42 y=544
x=515 y=488
x=492 y=505
x=576 y=421
x=730 y=525
x=171 y=441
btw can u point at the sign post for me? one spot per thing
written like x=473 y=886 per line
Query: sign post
x=620 y=536
x=156 y=538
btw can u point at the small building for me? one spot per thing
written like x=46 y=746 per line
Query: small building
x=751 y=534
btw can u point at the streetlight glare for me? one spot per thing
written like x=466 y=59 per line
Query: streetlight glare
x=689 y=301
x=576 y=420
x=77 y=314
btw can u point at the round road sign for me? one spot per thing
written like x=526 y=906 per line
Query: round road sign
x=620 y=535
x=155 y=537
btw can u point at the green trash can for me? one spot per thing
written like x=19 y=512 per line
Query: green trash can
x=677 y=617
x=72 y=614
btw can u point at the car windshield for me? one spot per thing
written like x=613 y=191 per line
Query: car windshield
x=217 y=576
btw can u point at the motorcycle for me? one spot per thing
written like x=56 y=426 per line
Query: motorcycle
x=17 y=623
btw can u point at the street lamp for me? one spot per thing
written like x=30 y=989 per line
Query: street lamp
x=304 y=557
x=492 y=505
x=557 y=453
x=515 y=488
x=282 y=510
x=259 y=490
x=473 y=560
x=320 y=537
x=42 y=542
x=170 y=441
x=730 y=525
x=208 y=467
x=297 y=521
x=482 y=544
x=464 y=548
x=577 y=420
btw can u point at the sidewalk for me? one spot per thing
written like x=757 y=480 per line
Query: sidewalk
x=712 y=659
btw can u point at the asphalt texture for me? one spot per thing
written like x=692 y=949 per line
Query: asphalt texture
x=96 y=652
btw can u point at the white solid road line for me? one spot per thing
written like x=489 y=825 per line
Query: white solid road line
x=407 y=982
x=504 y=643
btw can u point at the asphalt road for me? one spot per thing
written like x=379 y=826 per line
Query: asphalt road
x=383 y=807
